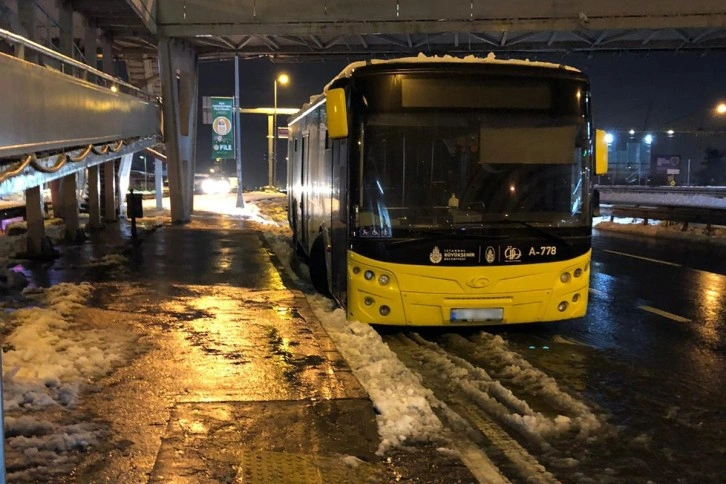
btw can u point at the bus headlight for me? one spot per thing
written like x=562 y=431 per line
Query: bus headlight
x=565 y=277
x=368 y=301
x=384 y=310
x=562 y=306
x=368 y=275
x=578 y=272
x=383 y=279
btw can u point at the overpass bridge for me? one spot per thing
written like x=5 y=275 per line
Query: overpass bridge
x=91 y=78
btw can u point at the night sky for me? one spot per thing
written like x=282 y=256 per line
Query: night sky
x=646 y=92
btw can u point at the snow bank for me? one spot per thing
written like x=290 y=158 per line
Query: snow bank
x=50 y=356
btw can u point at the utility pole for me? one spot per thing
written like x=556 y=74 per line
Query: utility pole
x=238 y=135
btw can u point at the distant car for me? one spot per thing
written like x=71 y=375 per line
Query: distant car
x=213 y=184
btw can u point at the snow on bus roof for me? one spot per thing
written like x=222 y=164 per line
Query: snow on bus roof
x=422 y=59
x=470 y=59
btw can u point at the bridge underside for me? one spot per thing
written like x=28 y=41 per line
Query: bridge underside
x=301 y=29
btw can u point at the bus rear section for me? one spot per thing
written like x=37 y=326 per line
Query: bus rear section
x=451 y=192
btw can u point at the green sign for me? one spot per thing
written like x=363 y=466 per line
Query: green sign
x=222 y=128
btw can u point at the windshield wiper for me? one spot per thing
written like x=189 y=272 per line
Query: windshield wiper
x=431 y=236
x=544 y=233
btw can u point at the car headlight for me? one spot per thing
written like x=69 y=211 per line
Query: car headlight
x=215 y=185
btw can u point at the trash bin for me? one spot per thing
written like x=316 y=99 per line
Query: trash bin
x=134 y=205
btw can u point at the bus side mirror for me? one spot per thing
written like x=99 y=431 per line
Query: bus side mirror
x=601 y=153
x=337 y=113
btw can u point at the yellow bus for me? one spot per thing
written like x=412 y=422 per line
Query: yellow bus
x=436 y=191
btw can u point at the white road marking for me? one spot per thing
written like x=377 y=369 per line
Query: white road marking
x=665 y=314
x=643 y=258
x=597 y=291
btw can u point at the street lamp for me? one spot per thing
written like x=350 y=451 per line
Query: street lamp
x=282 y=79
x=721 y=108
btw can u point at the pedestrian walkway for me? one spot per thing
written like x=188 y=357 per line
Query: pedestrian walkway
x=232 y=378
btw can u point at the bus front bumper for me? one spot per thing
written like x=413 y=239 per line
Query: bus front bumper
x=439 y=296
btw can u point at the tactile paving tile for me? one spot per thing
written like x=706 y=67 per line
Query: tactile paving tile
x=293 y=468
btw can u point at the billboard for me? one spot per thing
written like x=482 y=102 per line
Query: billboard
x=667 y=164
x=222 y=127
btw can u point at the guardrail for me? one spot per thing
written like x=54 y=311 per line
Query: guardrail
x=705 y=205
x=684 y=215
x=719 y=192
x=101 y=77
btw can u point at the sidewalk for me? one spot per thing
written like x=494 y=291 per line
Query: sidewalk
x=221 y=371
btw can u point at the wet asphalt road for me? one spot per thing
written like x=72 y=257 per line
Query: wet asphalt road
x=650 y=356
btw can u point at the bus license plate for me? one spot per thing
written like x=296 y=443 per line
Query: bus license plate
x=473 y=315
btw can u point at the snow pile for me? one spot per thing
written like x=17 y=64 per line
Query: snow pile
x=657 y=228
x=50 y=356
x=677 y=199
x=504 y=364
x=397 y=394
x=17 y=244
x=108 y=260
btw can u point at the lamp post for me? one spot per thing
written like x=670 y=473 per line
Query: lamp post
x=282 y=79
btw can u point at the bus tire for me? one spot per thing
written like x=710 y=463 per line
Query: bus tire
x=297 y=246
x=318 y=267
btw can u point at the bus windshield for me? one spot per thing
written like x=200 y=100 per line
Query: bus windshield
x=445 y=168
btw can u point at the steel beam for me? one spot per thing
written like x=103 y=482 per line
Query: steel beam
x=352 y=17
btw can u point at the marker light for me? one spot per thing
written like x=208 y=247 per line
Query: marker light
x=368 y=275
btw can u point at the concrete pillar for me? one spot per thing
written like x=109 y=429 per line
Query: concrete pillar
x=70 y=207
x=94 y=200
x=35 y=245
x=109 y=192
x=178 y=71
x=124 y=174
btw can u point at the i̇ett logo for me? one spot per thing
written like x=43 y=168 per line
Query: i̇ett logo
x=512 y=254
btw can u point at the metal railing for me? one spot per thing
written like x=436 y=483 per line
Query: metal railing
x=704 y=205
x=101 y=77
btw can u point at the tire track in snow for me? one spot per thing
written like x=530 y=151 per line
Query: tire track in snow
x=449 y=380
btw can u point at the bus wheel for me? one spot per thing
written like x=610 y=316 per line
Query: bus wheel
x=297 y=246
x=318 y=267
